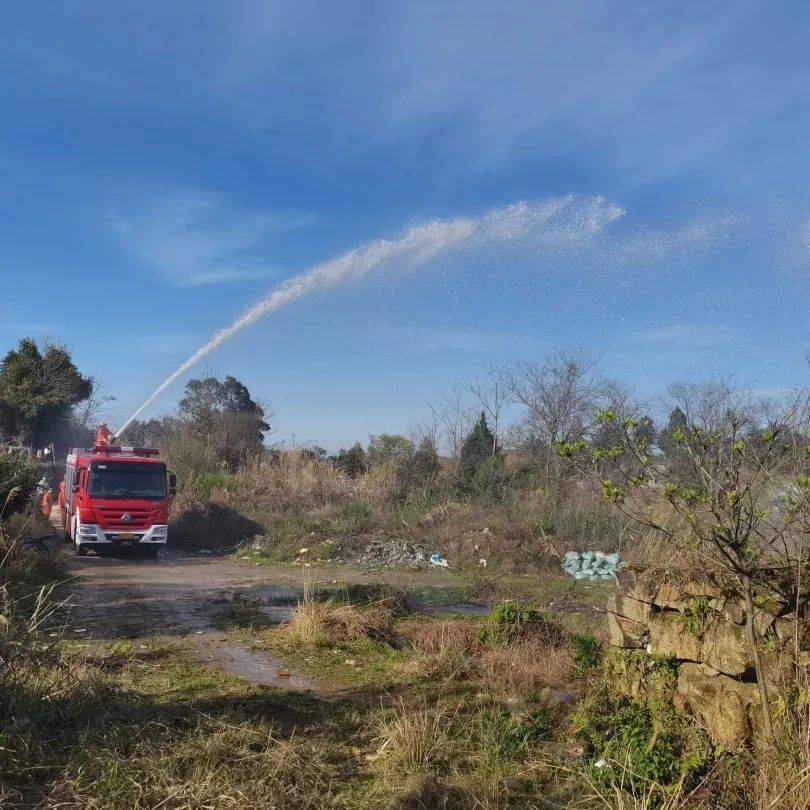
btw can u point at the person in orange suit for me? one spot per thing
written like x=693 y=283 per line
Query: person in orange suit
x=61 y=499
x=46 y=504
x=104 y=436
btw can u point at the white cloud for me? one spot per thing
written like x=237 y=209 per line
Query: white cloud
x=684 y=335
x=192 y=238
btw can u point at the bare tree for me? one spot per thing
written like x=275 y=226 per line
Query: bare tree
x=425 y=428
x=455 y=419
x=560 y=395
x=707 y=404
x=493 y=393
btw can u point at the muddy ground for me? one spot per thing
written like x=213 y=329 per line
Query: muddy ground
x=184 y=595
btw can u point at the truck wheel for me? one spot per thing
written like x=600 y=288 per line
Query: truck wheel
x=150 y=552
x=81 y=551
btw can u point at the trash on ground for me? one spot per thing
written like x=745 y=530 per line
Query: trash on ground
x=439 y=561
x=592 y=565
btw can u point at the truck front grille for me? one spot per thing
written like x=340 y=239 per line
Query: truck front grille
x=110 y=518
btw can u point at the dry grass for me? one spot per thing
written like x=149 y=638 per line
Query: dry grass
x=316 y=623
x=214 y=764
x=444 y=635
x=525 y=667
x=414 y=740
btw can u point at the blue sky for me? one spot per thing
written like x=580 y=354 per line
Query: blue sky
x=164 y=165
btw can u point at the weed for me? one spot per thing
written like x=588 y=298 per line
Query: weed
x=695 y=616
x=586 y=651
x=627 y=738
x=511 y=621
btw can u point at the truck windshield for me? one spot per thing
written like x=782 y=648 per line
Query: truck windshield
x=130 y=480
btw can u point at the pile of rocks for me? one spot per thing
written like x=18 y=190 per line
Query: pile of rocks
x=700 y=625
x=393 y=554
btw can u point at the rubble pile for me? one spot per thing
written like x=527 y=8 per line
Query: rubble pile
x=393 y=554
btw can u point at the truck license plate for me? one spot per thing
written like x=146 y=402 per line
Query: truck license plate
x=127 y=536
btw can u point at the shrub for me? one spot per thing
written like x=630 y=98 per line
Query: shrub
x=18 y=482
x=512 y=621
x=586 y=650
x=479 y=447
x=630 y=742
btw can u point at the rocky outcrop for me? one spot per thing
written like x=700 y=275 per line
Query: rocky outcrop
x=698 y=627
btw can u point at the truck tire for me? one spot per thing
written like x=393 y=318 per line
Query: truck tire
x=81 y=551
x=149 y=552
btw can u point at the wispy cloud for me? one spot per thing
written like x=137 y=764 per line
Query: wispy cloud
x=193 y=238
x=684 y=335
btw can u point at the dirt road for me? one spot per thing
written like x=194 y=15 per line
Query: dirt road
x=185 y=595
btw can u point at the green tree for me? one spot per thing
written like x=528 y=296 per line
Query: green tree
x=420 y=468
x=225 y=416
x=476 y=450
x=352 y=461
x=38 y=390
x=388 y=448
x=666 y=436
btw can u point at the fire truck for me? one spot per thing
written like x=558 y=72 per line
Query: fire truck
x=116 y=498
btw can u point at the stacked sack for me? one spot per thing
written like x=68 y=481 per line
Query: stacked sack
x=591 y=565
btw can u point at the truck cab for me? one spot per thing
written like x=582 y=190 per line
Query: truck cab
x=116 y=498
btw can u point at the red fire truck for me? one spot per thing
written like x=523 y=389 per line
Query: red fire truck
x=116 y=498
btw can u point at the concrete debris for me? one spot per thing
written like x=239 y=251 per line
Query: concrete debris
x=393 y=554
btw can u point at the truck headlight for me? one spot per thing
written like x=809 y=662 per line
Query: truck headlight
x=87 y=530
x=160 y=531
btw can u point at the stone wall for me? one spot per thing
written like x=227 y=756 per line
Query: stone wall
x=701 y=625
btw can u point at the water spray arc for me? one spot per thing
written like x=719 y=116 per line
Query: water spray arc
x=561 y=224
x=415 y=247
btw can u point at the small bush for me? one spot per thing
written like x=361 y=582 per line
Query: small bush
x=356 y=513
x=586 y=651
x=635 y=744
x=393 y=599
x=512 y=621
x=18 y=482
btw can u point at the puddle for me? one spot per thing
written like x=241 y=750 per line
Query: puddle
x=252 y=665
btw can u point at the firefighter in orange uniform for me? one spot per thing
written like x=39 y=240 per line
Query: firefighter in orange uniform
x=104 y=437
x=61 y=499
x=46 y=504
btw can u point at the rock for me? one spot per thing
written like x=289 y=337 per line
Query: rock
x=670 y=597
x=725 y=648
x=549 y=697
x=629 y=608
x=701 y=586
x=730 y=607
x=722 y=704
x=786 y=630
x=626 y=633
x=668 y=637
